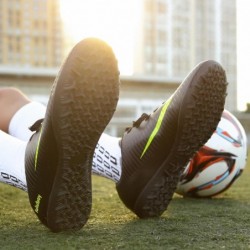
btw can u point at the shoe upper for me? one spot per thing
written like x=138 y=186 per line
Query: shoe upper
x=157 y=148
x=144 y=148
x=40 y=171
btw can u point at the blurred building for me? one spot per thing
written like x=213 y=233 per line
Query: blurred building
x=30 y=34
x=175 y=35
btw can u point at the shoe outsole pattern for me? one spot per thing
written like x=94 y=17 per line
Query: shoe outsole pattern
x=158 y=193
x=82 y=102
x=84 y=110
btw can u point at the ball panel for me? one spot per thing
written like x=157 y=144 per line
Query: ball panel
x=217 y=165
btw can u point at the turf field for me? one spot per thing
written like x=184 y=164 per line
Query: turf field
x=219 y=223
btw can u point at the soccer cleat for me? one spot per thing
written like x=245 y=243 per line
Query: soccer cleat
x=58 y=158
x=157 y=148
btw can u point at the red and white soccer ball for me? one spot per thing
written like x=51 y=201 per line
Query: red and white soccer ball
x=216 y=166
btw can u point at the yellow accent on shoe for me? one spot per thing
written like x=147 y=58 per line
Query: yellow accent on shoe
x=157 y=126
x=37 y=202
x=37 y=148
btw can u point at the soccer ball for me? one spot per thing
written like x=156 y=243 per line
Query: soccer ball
x=216 y=166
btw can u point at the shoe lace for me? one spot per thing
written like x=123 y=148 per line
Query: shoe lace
x=138 y=122
x=36 y=126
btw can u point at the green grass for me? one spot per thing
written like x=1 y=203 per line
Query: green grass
x=219 y=223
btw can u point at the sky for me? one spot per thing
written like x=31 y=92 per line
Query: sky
x=113 y=21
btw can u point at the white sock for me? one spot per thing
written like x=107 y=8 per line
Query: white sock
x=107 y=155
x=24 y=118
x=12 y=152
x=107 y=158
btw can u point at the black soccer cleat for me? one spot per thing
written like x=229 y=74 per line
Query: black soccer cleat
x=58 y=158
x=157 y=148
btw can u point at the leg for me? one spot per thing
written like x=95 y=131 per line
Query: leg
x=12 y=151
x=106 y=160
x=18 y=113
x=11 y=100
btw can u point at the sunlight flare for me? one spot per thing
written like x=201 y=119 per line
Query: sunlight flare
x=114 y=21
